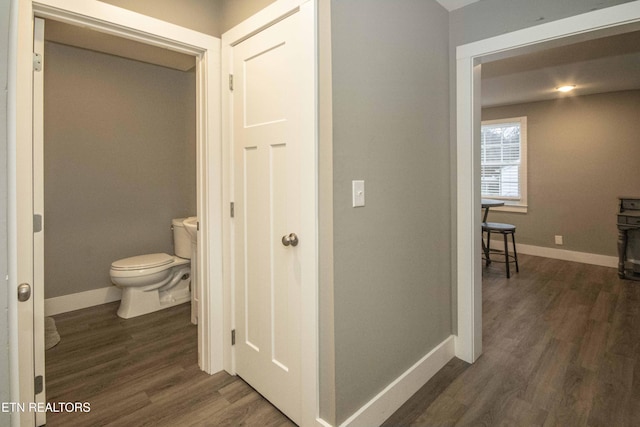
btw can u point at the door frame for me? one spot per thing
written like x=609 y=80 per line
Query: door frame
x=468 y=65
x=309 y=326
x=130 y=25
x=38 y=206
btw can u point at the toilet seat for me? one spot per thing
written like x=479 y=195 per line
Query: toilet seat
x=142 y=262
x=145 y=265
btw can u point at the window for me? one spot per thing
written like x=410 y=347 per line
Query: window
x=503 y=153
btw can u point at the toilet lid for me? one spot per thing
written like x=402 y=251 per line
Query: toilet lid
x=142 y=261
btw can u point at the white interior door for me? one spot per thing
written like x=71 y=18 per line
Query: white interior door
x=268 y=133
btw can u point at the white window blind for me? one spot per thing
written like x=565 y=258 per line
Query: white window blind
x=503 y=160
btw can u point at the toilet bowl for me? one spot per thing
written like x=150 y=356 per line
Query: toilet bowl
x=156 y=281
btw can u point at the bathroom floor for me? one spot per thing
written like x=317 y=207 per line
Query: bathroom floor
x=144 y=371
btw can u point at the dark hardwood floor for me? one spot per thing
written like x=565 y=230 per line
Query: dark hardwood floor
x=144 y=372
x=561 y=348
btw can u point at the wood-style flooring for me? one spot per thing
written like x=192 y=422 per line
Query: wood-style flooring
x=144 y=372
x=561 y=345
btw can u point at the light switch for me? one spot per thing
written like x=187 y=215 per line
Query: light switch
x=358 y=193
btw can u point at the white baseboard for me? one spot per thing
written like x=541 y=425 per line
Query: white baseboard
x=565 y=255
x=389 y=400
x=322 y=423
x=562 y=254
x=77 y=301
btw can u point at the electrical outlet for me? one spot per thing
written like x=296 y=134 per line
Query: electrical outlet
x=559 y=240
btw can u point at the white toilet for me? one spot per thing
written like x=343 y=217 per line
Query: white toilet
x=155 y=281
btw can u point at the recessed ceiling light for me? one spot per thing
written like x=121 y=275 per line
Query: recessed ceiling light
x=567 y=88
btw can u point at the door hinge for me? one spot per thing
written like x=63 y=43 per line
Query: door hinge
x=233 y=337
x=38 y=384
x=231 y=82
x=233 y=210
x=37 y=223
x=37 y=62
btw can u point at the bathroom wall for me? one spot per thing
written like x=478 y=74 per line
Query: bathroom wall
x=119 y=163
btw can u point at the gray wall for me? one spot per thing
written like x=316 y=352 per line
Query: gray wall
x=582 y=154
x=4 y=292
x=212 y=17
x=392 y=258
x=199 y=15
x=119 y=163
x=234 y=12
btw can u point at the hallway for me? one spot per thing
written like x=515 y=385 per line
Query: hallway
x=561 y=347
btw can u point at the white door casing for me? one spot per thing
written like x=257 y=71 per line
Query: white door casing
x=21 y=167
x=468 y=59
x=20 y=210
x=270 y=133
x=38 y=209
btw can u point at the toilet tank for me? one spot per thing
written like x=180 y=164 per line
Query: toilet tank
x=181 y=239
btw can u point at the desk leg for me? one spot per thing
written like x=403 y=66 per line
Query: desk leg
x=622 y=251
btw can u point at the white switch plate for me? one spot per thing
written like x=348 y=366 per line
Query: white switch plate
x=358 y=193
x=559 y=240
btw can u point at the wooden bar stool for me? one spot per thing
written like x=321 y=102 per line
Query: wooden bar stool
x=505 y=230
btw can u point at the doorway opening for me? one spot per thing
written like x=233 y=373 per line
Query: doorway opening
x=121 y=23
x=119 y=158
x=118 y=162
x=613 y=20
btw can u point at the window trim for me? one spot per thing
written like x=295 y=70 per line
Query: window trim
x=511 y=205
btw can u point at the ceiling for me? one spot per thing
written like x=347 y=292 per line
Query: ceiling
x=606 y=64
x=85 y=38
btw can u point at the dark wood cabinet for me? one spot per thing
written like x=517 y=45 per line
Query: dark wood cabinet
x=628 y=219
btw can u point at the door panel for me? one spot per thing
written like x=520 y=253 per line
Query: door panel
x=264 y=103
x=267 y=137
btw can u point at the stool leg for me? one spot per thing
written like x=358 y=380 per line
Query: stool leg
x=506 y=255
x=515 y=254
x=488 y=252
